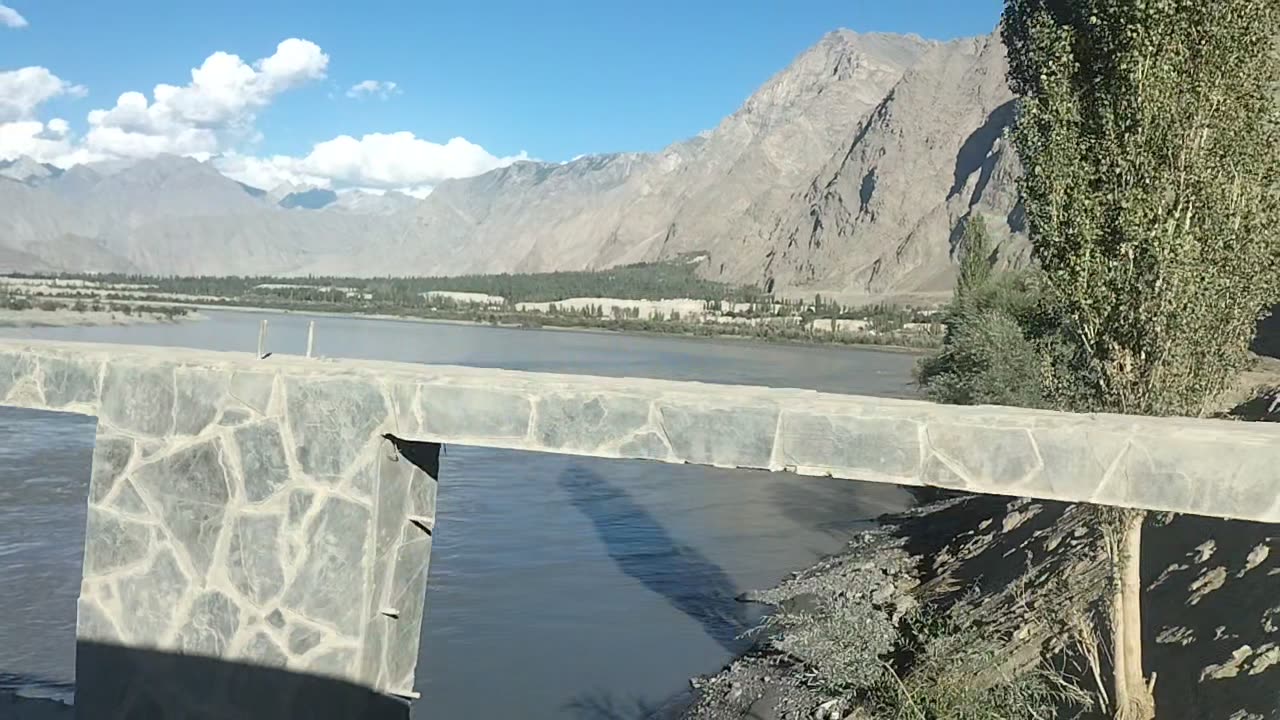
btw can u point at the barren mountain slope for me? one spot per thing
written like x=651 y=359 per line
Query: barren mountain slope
x=885 y=214
x=612 y=209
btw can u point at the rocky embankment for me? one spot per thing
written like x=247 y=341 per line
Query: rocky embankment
x=985 y=607
x=971 y=600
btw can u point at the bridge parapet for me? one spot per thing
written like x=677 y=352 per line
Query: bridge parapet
x=252 y=510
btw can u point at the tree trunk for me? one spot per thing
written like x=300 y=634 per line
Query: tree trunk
x=1133 y=693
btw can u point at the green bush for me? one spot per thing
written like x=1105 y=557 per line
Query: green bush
x=1002 y=347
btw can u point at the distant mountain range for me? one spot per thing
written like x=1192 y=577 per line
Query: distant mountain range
x=850 y=172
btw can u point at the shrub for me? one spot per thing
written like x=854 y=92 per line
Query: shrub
x=1002 y=347
x=962 y=672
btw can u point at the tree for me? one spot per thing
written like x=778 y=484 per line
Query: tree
x=975 y=258
x=1148 y=135
x=997 y=346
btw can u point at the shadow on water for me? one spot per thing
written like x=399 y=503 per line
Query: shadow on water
x=23 y=697
x=644 y=550
x=837 y=508
x=603 y=706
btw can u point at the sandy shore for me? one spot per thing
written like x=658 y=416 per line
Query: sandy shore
x=70 y=318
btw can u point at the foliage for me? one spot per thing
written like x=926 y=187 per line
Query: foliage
x=958 y=672
x=975 y=260
x=672 y=279
x=1001 y=347
x=1148 y=133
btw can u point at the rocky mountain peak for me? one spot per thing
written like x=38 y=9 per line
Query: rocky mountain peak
x=27 y=170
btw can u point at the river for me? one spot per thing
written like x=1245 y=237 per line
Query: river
x=561 y=587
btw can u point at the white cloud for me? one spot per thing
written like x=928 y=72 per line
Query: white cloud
x=381 y=89
x=49 y=142
x=267 y=173
x=212 y=117
x=218 y=103
x=419 y=192
x=396 y=160
x=22 y=92
x=388 y=161
x=11 y=18
x=25 y=89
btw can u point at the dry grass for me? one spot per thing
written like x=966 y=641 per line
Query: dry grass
x=960 y=672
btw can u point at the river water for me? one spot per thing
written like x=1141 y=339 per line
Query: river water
x=561 y=587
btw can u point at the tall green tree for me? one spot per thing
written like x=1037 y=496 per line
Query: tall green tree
x=975 y=256
x=1148 y=134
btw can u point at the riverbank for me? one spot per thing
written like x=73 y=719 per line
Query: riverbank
x=67 y=317
x=983 y=591
x=994 y=602
x=548 y=323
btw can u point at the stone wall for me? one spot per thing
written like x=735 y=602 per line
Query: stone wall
x=329 y=410
x=250 y=509
x=243 y=515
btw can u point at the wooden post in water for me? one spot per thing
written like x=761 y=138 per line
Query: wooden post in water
x=311 y=337
x=262 y=340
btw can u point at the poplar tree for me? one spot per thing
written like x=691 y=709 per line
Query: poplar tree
x=1148 y=134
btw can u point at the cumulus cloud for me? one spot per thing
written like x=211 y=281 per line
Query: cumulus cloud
x=267 y=172
x=24 y=90
x=49 y=142
x=213 y=115
x=11 y=18
x=41 y=141
x=381 y=89
x=220 y=101
x=419 y=192
x=400 y=159
x=388 y=161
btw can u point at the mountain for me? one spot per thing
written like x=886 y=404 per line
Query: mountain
x=849 y=172
x=310 y=199
x=26 y=170
x=885 y=213
x=368 y=203
x=709 y=193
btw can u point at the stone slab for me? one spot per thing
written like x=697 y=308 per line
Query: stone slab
x=1204 y=467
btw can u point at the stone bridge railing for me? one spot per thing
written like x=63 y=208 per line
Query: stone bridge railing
x=252 y=510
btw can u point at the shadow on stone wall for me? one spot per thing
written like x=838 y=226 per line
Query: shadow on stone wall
x=644 y=550
x=130 y=682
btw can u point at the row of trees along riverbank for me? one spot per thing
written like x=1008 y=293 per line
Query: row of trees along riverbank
x=691 y=306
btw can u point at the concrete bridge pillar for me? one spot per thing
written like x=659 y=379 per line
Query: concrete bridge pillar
x=255 y=547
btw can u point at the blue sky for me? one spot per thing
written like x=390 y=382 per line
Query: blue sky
x=554 y=79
